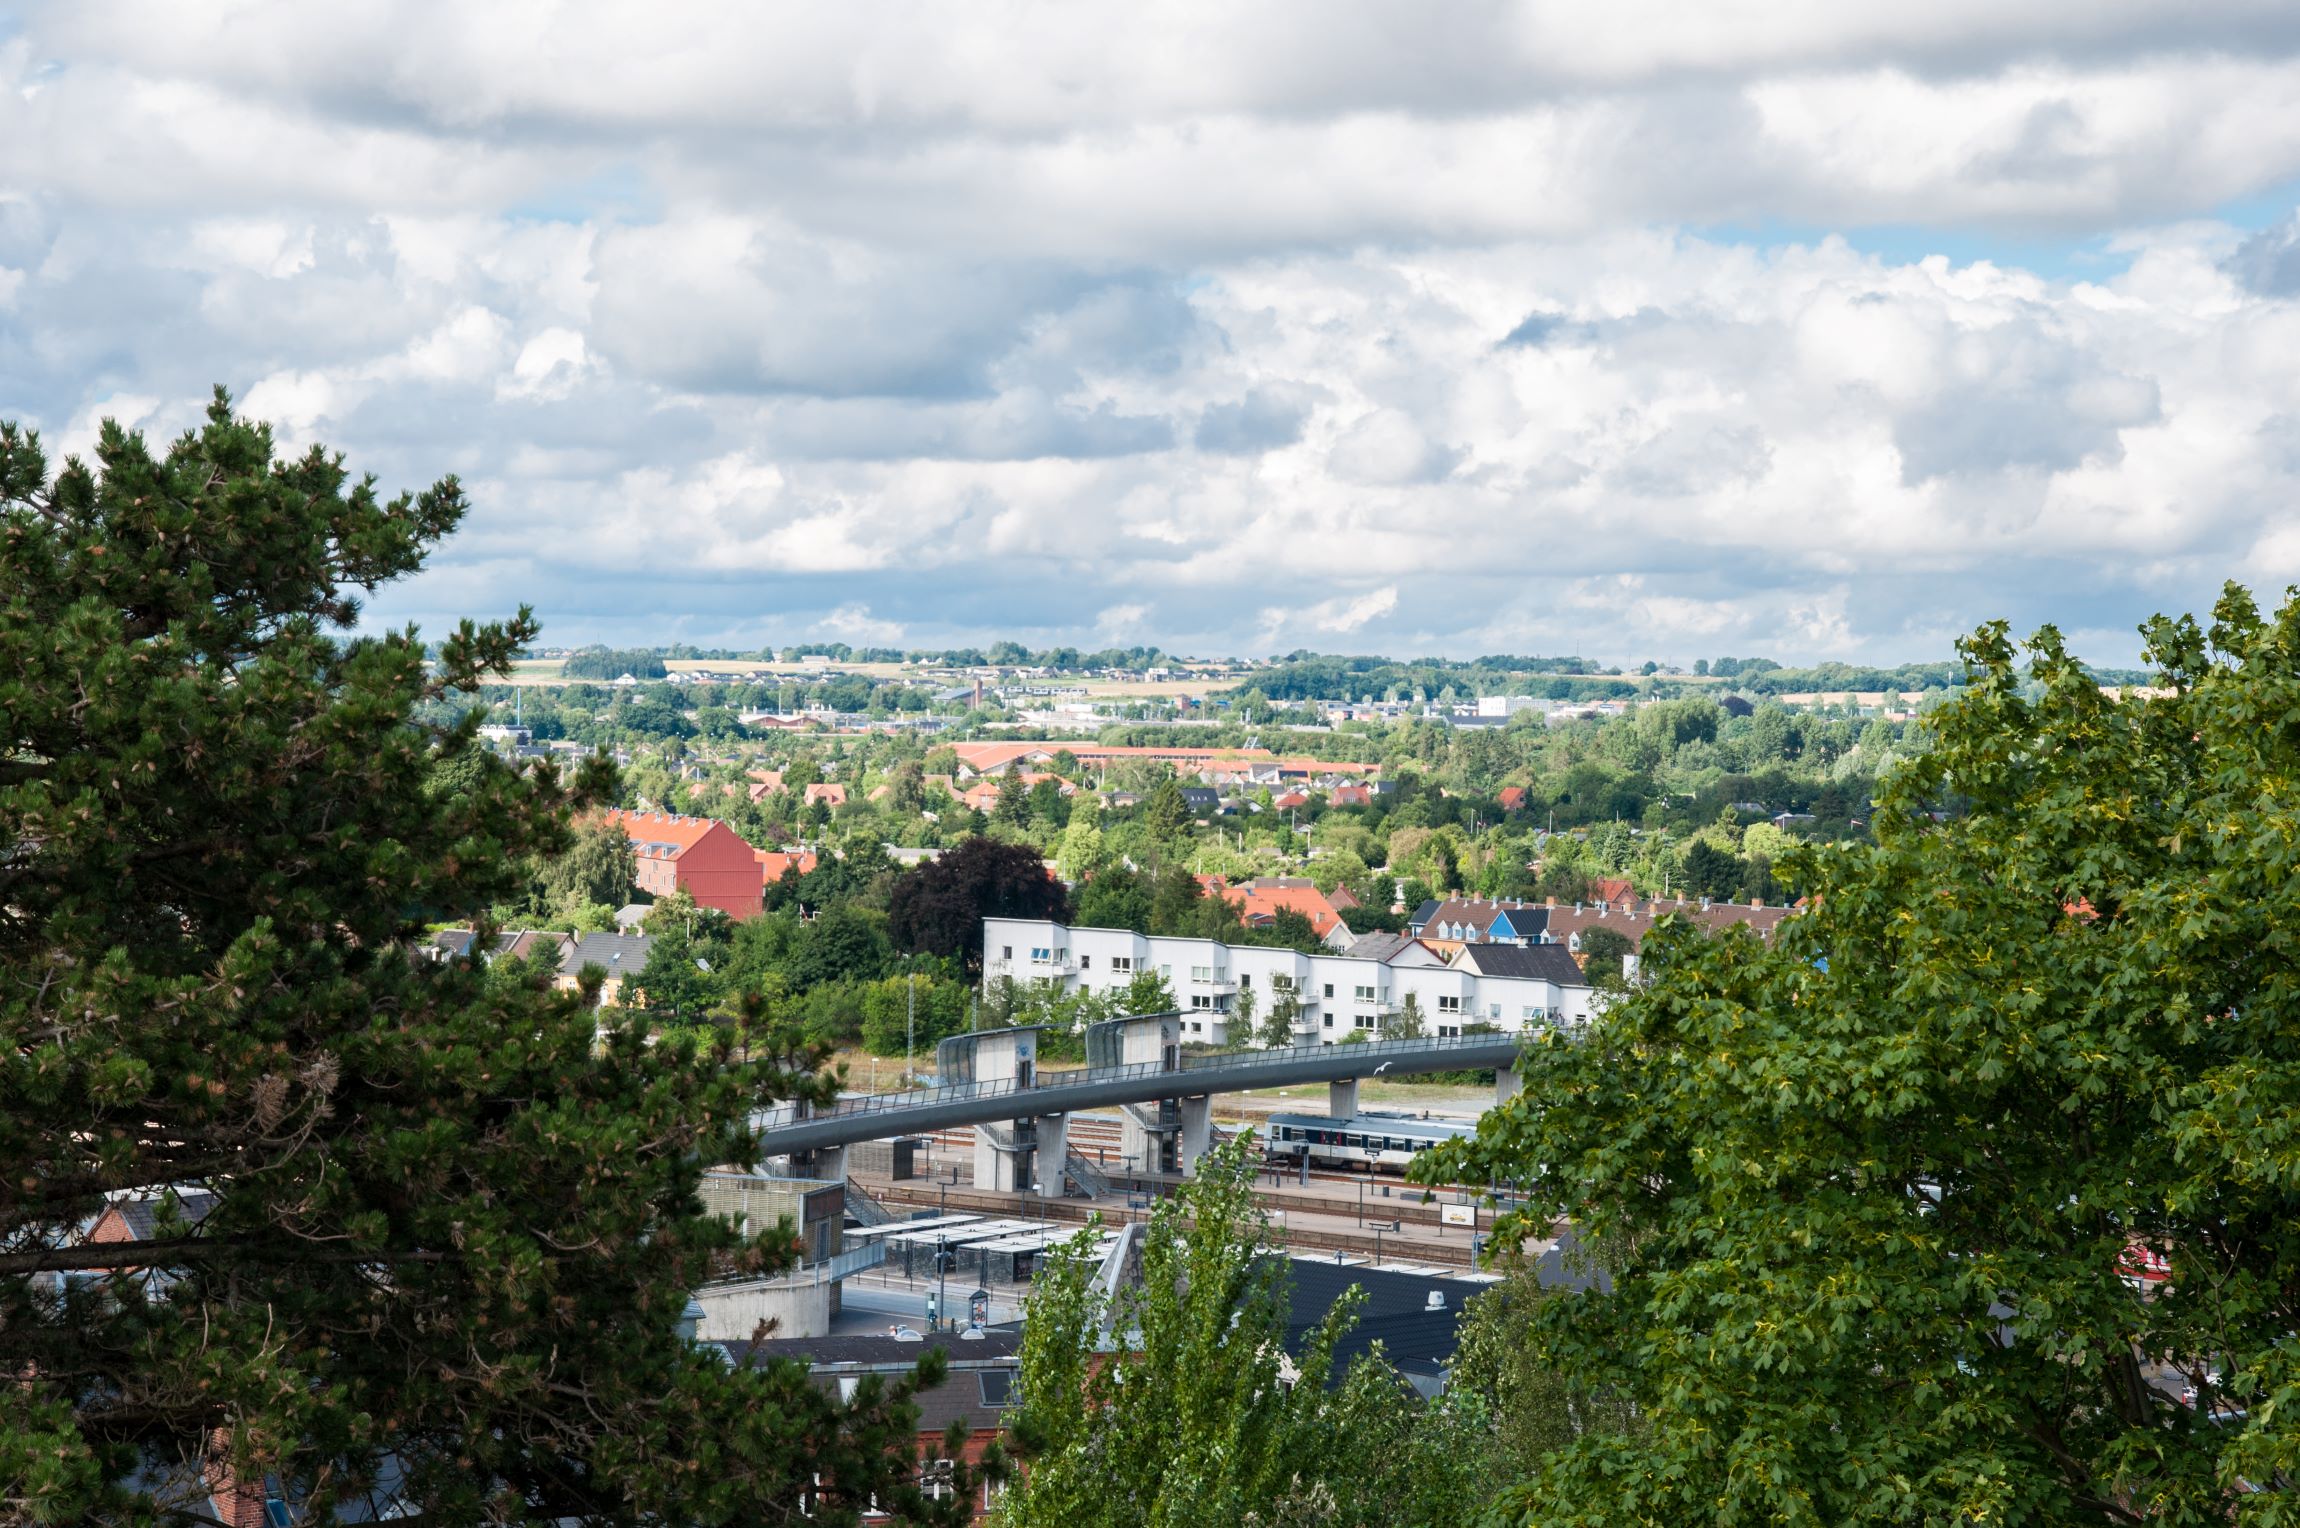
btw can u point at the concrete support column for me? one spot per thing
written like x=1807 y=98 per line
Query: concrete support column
x=1197 y=1131
x=1139 y=1147
x=1053 y=1151
x=1506 y=1084
x=994 y=1165
x=1342 y=1098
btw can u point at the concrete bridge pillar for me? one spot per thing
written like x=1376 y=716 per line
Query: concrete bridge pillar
x=1506 y=1084
x=1053 y=1150
x=1001 y=1161
x=1342 y=1098
x=1141 y=1147
x=1197 y=1131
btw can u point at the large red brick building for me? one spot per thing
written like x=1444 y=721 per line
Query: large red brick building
x=700 y=856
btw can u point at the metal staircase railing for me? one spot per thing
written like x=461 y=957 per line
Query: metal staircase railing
x=1091 y=1180
x=867 y=1209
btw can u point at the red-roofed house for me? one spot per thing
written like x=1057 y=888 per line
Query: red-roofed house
x=765 y=783
x=700 y=856
x=1349 y=795
x=1612 y=888
x=1260 y=900
x=829 y=793
x=774 y=864
x=1513 y=798
x=1288 y=801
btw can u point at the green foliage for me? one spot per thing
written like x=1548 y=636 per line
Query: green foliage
x=1874 y=1182
x=1183 y=1421
x=938 y=908
x=1115 y=898
x=609 y=663
x=454 y=1217
x=599 y=866
x=1535 y=1407
x=1146 y=993
x=1602 y=952
x=1166 y=814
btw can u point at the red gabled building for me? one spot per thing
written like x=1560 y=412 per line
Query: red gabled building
x=700 y=856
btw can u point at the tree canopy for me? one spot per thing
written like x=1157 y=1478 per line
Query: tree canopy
x=406 y=1220
x=938 y=908
x=1882 y=1197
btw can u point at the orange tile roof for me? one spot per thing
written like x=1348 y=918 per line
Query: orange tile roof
x=1264 y=899
x=775 y=864
x=661 y=835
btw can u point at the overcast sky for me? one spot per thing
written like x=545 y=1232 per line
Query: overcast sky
x=1643 y=330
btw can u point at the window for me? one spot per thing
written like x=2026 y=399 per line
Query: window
x=1061 y=956
x=1449 y=1005
x=1006 y=952
x=1365 y=994
x=1167 y=972
x=1329 y=1021
x=1038 y=956
x=997 y=1386
x=1329 y=989
x=1365 y=1021
x=1200 y=1000
x=1448 y=1031
x=1493 y=1010
x=1246 y=979
x=1085 y=962
x=1282 y=983
x=1201 y=973
x=1122 y=963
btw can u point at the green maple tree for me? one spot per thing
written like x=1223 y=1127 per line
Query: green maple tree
x=1876 y=1194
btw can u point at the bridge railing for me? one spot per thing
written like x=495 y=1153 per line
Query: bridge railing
x=1228 y=1062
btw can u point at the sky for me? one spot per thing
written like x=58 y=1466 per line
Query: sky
x=1648 y=330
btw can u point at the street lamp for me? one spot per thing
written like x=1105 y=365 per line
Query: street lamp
x=1392 y=1228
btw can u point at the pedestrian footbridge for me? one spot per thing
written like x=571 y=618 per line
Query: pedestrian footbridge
x=991 y=1081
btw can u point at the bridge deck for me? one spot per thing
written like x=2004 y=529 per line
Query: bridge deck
x=880 y=1116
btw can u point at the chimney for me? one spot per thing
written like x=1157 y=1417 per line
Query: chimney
x=1553 y=904
x=1705 y=904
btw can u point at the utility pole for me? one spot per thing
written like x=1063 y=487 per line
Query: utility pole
x=941 y=1275
x=910 y=1021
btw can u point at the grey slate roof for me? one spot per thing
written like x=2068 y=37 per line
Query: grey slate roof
x=616 y=954
x=1378 y=946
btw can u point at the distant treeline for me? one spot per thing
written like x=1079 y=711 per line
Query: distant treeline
x=1311 y=676
x=610 y=663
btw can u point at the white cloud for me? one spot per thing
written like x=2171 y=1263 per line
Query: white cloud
x=1206 y=324
x=855 y=624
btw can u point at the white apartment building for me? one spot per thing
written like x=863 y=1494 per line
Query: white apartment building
x=1513 y=989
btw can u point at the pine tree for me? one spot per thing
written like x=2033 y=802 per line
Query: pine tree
x=450 y=1223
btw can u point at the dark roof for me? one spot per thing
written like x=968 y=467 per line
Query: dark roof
x=1543 y=962
x=1396 y=1313
x=617 y=954
x=978 y=1389
x=142 y=1213
x=1424 y=913
x=1380 y=946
